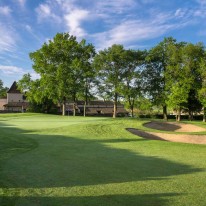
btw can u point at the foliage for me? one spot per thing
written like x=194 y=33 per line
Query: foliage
x=183 y=77
x=158 y=59
x=63 y=65
x=202 y=89
x=3 y=90
x=131 y=87
x=142 y=105
x=170 y=75
x=111 y=66
x=39 y=102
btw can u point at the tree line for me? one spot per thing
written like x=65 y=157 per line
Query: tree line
x=171 y=74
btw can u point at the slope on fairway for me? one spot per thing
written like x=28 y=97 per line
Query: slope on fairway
x=54 y=160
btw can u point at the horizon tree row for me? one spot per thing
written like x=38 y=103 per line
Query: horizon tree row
x=170 y=74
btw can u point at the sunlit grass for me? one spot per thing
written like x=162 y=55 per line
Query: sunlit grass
x=55 y=160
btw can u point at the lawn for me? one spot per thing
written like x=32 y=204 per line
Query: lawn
x=78 y=161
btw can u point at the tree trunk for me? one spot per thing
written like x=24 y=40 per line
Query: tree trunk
x=86 y=98
x=63 y=108
x=74 y=109
x=85 y=103
x=132 y=111
x=179 y=114
x=190 y=116
x=165 y=113
x=132 y=108
x=115 y=106
x=204 y=118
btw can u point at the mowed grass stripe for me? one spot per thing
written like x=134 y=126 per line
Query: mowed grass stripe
x=54 y=160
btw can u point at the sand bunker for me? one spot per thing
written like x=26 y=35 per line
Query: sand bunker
x=174 y=126
x=170 y=126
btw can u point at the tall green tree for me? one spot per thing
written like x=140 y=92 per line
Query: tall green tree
x=202 y=90
x=3 y=90
x=61 y=64
x=183 y=77
x=158 y=59
x=132 y=81
x=88 y=74
x=110 y=65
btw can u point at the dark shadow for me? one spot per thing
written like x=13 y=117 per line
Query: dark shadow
x=104 y=200
x=40 y=161
x=164 y=126
x=144 y=134
x=121 y=140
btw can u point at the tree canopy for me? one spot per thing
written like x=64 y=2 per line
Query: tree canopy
x=171 y=74
x=63 y=64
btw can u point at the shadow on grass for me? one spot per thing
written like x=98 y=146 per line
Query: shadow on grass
x=105 y=200
x=144 y=134
x=46 y=161
x=164 y=126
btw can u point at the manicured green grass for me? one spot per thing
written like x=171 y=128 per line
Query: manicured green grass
x=54 y=160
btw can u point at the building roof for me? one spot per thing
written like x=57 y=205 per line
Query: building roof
x=14 y=88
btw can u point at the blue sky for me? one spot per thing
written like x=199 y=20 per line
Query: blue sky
x=138 y=24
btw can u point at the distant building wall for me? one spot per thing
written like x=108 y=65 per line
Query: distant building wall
x=11 y=97
x=2 y=103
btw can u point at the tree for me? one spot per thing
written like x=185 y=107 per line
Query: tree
x=110 y=65
x=24 y=84
x=3 y=90
x=202 y=90
x=88 y=75
x=192 y=56
x=34 y=93
x=132 y=82
x=156 y=64
x=177 y=85
x=183 y=77
x=193 y=103
x=61 y=64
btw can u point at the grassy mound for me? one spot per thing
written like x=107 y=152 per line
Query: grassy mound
x=55 y=160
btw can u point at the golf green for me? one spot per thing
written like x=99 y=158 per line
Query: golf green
x=78 y=161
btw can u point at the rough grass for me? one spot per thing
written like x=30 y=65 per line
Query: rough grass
x=77 y=161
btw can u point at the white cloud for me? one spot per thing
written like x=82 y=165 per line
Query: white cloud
x=124 y=20
x=200 y=10
x=10 y=70
x=5 y=10
x=32 y=32
x=28 y=28
x=180 y=13
x=8 y=38
x=21 y=2
x=66 y=14
x=130 y=31
x=34 y=75
x=44 y=11
x=114 y=6
x=73 y=21
x=201 y=2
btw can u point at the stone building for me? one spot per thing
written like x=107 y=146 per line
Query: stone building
x=15 y=101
